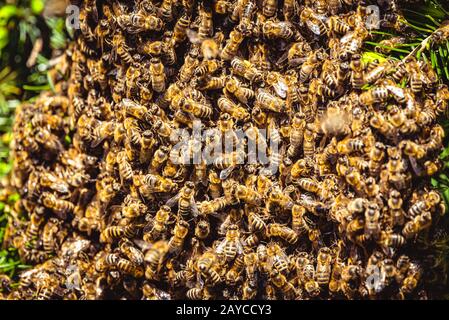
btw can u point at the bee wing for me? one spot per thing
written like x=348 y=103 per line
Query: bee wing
x=240 y=244
x=193 y=36
x=283 y=59
x=200 y=280
x=162 y=295
x=96 y=141
x=143 y=245
x=224 y=174
x=148 y=227
x=60 y=187
x=220 y=247
x=281 y=88
x=194 y=208
x=314 y=27
x=118 y=8
x=415 y=166
x=173 y=201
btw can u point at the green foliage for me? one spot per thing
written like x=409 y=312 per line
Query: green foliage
x=10 y=263
x=422 y=22
x=23 y=33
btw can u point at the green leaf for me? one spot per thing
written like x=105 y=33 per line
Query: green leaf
x=13 y=198
x=370 y=56
x=37 y=6
x=4 y=37
x=446 y=195
x=68 y=140
x=36 y=88
x=4 y=168
x=6 y=12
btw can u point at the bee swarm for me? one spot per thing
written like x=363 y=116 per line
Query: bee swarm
x=344 y=208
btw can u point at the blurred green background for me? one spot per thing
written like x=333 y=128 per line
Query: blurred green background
x=28 y=42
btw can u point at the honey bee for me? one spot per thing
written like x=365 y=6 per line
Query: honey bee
x=280 y=281
x=256 y=223
x=337 y=25
x=158 y=77
x=132 y=207
x=372 y=215
x=147 y=143
x=185 y=200
x=202 y=229
x=196 y=109
x=290 y=9
x=208 y=266
x=419 y=207
x=50 y=238
x=231 y=47
x=323 y=267
x=276 y=198
x=197 y=294
x=379 y=122
x=222 y=7
x=48 y=140
x=309 y=143
x=116 y=232
x=390 y=241
x=154 y=183
x=206 y=26
x=121 y=48
x=53 y=182
x=151 y=293
x=62 y=208
x=125 y=168
x=296 y=135
x=152 y=48
x=154 y=258
x=176 y=242
x=259 y=116
x=234 y=87
x=137 y=22
x=282 y=231
x=411 y=281
x=212 y=83
x=375 y=95
x=233 y=276
x=350 y=277
x=313 y=22
x=357 y=74
x=269 y=102
x=187 y=70
x=180 y=28
x=247 y=195
x=166 y=10
x=232 y=245
x=159 y=158
x=234 y=110
x=280 y=29
x=276 y=257
x=157 y=226
x=419 y=222
x=246 y=69
x=442 y=96
x=134 y=255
